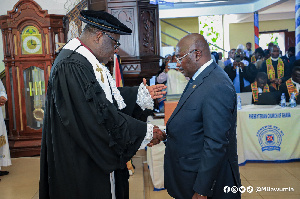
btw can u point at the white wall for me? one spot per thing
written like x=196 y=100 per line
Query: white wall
x=53 y=7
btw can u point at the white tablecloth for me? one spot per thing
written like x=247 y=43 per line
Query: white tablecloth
x=268 y=133
x=155 y=158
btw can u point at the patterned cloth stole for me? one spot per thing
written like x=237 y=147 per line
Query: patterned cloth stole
x=253 y=59
x=271 y=71
x=255 y=90
x=291 y=88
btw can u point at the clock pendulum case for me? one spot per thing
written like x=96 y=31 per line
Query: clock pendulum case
x=29 y=35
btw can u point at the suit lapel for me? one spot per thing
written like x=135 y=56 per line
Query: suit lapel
x=198 y=81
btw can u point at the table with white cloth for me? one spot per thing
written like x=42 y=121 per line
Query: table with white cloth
x=264 y=133
x=268 y=133
x=155 y=158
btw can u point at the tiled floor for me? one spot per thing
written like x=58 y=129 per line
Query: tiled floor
x=22 y=182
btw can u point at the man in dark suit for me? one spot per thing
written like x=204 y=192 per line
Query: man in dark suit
x=201 y=151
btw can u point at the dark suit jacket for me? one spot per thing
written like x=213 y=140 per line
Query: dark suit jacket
x=201 y=150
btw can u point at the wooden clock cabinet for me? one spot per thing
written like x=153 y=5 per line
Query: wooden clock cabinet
x=29 y=38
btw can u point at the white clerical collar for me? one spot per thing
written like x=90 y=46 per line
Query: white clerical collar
x=102 y=74
x=245 y=62
x=297 y=85
x=202 y=69
x=274 y=59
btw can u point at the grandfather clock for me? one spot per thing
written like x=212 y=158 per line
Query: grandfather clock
x=29 y=38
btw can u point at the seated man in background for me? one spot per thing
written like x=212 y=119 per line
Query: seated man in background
x=230 y=59
x=277 y=70
x=292 y=85
x=259 y=86
x=241 y=72
x=258 y=57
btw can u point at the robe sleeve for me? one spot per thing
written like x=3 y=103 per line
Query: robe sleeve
x=250 y=72
x=287 y=72
x=108 y=136
x=230 y=72
x=2 y=90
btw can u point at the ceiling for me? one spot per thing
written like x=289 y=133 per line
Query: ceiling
x=194 y=8
x=200 y=3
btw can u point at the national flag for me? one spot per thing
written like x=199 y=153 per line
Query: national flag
x=117 y=71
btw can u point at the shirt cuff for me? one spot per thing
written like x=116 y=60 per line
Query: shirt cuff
x=148 y=137
x=3 y=94
x=144 y=99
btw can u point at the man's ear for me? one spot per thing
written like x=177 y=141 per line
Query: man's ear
x=98 y=37
x=198 y=55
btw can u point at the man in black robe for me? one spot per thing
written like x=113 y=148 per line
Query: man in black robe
x=275 y=61
x=88 y=131
x=292 y=85
x=259 y=86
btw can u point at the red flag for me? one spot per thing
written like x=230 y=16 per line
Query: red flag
x=118 y=72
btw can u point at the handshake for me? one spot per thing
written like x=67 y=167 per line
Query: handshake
x=158 y=136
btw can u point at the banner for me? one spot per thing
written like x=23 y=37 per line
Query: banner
x=268 y=134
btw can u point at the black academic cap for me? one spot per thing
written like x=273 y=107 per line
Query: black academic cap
x=104 y=21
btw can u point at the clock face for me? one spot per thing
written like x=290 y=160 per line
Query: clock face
x=32 y=44
x=31 y=41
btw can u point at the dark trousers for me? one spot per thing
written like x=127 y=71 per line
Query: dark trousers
x=122 y=184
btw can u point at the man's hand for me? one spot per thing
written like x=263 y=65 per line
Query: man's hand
x=2 y=100
x=235 y=65
x=155 y=90
x=158 y=136
x=278 y=81
x=198 y=196
x=242 y=65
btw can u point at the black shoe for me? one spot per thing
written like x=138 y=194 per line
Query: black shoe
x=3 y=173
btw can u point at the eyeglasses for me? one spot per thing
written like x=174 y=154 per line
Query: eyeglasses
x=117 y=42
x=179 y=60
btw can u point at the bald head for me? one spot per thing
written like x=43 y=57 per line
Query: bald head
x=195 y=52
x=194 y=41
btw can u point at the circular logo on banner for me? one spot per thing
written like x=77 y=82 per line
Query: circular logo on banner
x=270 y=138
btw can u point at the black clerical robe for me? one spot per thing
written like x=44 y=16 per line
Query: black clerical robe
x=283 y=89
x=287 y=71
x=84 y=136
x=249 y=89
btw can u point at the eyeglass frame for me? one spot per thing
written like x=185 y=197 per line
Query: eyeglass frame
x=179 y=60
x=118 y=43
